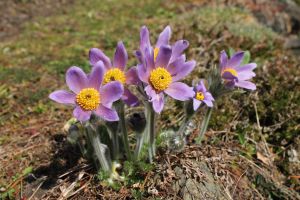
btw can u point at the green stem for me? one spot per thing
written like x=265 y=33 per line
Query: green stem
x=204 y=125
x=124 y=130
x=151 y=133
x=148 y=136
x=113 y=132
x=98 y=148
x=139 y=145
x=183 y=126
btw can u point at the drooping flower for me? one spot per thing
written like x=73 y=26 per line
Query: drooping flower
x=202 y=95
x=88 y=96
x=234 y=74
x=115 y=71
x=162 y=78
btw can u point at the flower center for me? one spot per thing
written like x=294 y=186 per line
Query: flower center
x=114 y=74
x=156 y=50
x=160 y=78
x=88 y=99
x=231 y=71
x=199 y=96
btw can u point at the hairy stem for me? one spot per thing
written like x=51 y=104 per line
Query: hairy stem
x=124 y=130
x=151 y=133
x=204 y=125
x=98 y=148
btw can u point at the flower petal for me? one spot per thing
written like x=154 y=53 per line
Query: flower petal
x=246 y=75
x=121 y=57
x=129 y=98
x=138 y=54
x=76 y=79
x=196 y=104
x=107 y=114
x=151 y=93
x=208 y=96
x=184 y=70
x=158 y=103
x=163 y=56
x=111 y=92
x=62 y=96
x=223 y=60
x=180 y=91
x=247 y=67
x=97 y=55
x=164 y=37
x=144 y=38
x=246 y=84
x=176 y=65
x=143 y=73
x=149 y=58
x=235 y=60
x=178 y=48
x=132 y=77
x=81 y=115
x=208 y=103
x=201 y=87
x=96 y=76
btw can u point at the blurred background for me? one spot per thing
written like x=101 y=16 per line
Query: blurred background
x=40 y=39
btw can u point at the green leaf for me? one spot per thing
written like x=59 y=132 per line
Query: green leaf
x=231 y=52
x=27 y=171
x=242 y=139
x=246 y=58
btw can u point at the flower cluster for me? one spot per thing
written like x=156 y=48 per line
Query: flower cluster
x=99 y=98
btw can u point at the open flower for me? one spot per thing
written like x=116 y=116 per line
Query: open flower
x=163 y=39
x=162 y=78
x=116 y=71
x=202 y=95
x=87 y=94
x=235 y=75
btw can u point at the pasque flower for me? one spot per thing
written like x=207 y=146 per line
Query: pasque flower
x=115 y=71
x=234 y=74
x=162 y=69
x=163 y=39
x=202 y=95
x=88 y=96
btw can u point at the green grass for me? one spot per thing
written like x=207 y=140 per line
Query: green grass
x=33 y=64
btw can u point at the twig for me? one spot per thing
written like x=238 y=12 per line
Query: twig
x=260 y=132
x=239 y=181
x=36 y=190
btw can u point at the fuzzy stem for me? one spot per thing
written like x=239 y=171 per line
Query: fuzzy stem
x=148 y=135
x=183 y=126
x=204 y=125
x=151 y=133
x=139 y=146
x=97 y=147
x=115 y=140
x=124 y=130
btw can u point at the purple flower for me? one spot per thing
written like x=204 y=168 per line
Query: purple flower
x=162 y=78
x=235 y=75
x=202 y=95
x=163 y=39
x=115 y=71
x=87 y=94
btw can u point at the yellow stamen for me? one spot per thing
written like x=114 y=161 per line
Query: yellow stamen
x=88 y=99
x=231 y=71
x=114 y=74
x=199 y=96
x=156 y=50
x=160 y=78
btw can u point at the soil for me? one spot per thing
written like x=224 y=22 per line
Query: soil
x=209 y=171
